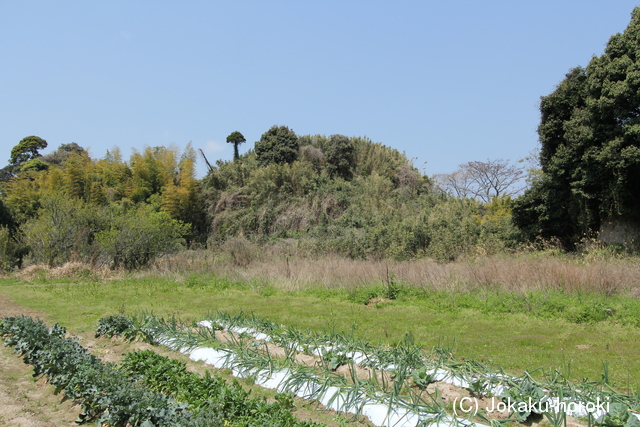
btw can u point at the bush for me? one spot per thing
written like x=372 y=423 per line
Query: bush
x=137 y=237
x=11 y=252
x=242 y=251
x=62 y=230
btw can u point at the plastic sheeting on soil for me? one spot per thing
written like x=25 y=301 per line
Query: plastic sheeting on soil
x=380 y=412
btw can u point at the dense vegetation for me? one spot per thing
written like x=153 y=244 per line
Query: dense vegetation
x=590 y=153
x=320 y=194
x=348 y=196
x=66 y=206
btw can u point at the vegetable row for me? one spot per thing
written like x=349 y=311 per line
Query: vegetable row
x=146 y=390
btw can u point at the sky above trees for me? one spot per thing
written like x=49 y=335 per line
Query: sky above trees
x=445 y=82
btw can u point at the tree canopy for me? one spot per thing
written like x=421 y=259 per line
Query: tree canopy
x=236 y=138
x=482 y=180
x=28 y=148
x=340 y=157
x=590 y=147
x=277 y=145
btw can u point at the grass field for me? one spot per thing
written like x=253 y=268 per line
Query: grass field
x=574 y=331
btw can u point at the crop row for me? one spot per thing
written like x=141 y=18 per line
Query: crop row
x=406 y=368
x=147 y=390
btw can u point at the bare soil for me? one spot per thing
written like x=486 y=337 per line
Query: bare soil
x=26 y=401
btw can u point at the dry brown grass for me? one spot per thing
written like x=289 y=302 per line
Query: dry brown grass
x=281 y=267
x=70 y=270
x=521 y=272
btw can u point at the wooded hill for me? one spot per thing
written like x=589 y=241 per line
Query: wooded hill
x=350 y=196
x=317 y=194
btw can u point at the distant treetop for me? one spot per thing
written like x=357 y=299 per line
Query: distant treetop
x=28 y=148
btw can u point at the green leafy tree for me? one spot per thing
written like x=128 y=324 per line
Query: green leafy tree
x=11 y=251
x=28 y=148
x=115 y=174
x=340 y=156
x=590 y=153
x=182 y=199
x=63 y=152
x=236 y=138
x=277 y=145
x=151 y=170
x=34 y=165
x=6 y=219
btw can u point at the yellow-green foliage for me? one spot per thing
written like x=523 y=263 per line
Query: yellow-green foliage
x=60 y=210
x=158 y=174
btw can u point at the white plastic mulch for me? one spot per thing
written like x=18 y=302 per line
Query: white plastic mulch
x=379 y=412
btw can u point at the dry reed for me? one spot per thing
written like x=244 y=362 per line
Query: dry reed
x=518 y=273
x=69 y=270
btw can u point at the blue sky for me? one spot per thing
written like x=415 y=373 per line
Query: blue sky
x=445 y=82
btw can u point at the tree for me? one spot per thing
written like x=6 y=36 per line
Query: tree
x=482 y=180
x=63 y=228
x=277 y=145
x=152 y=170
x=590 y=147
x=340 y=157
x=236 y=138
x=34 y=165
x=27 y=149
x=183 y=199
x=63 y=152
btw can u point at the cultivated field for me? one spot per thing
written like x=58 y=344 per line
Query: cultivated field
x=577 y=316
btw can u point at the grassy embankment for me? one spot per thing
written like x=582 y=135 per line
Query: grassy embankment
x=518 y=313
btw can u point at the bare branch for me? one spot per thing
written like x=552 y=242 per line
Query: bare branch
x=482 y=180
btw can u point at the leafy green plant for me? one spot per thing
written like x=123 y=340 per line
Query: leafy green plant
x=523 y=395
x=618 y=416
x=113 y=326
x=477 y=387
x=422 y=377
x=209 y=394
x=105 y=395
x=334 y=359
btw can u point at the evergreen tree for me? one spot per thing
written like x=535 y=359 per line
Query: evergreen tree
x=590 y=154
x=236 y=138
x=28 y=148
x=340 y=157
x=277 y=145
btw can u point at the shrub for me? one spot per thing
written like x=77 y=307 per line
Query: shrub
x=62 y=229
x=11 y=252
x=242 y=251
x=139 y=236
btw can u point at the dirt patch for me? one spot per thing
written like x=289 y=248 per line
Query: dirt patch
x=8 y=308
x=375 y=301
x=26 y=401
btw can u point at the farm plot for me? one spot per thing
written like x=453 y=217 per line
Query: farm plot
x=400 y=385
x=130 y=394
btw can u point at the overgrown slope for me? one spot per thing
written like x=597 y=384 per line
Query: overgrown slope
x=348 y=196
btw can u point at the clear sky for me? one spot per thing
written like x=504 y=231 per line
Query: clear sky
x=447 y=82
